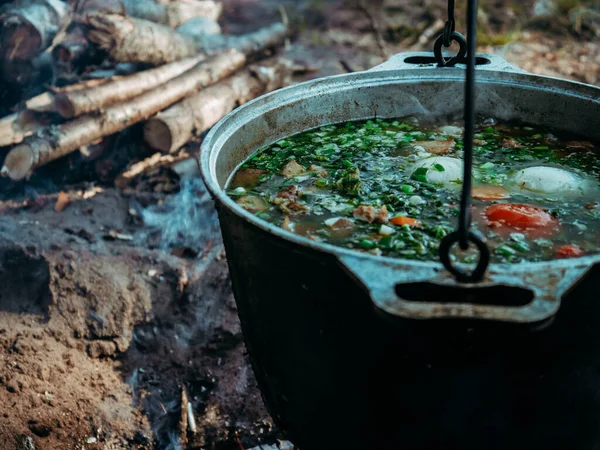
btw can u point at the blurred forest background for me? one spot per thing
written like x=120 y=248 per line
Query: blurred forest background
x=552 y=37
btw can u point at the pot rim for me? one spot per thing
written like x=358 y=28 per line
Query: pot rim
x=223 y=130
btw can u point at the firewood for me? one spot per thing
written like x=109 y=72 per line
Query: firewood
x=71 y=103
x=29 y=26
x=16 y=127
x=73 y=48
x=171 y=14
x=199 y=26
x=23 y=73
x=61 y=140
x=136 y=40
x=176 y=126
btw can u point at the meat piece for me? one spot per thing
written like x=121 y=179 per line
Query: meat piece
x=292 y=193
x=511 y=143
x=382 y=215
x=437 y=147
x=247 y=178
x=293 y=208
x=320 y=171
x=252 y=203
x=371 y=214
x=293 y=169
x=288 y=201
x=339 y=223
x=364 y=213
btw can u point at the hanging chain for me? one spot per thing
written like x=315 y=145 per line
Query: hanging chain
x=464 y=236
x=447 y=37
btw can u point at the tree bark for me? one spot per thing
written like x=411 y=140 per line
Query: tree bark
x=171 y=14
x=77 y=102
x=16 y=127
x=73 y=48
x=176 y=126
x=28 y=27
x=59 y=141
x=23 y=73
x=137 y=40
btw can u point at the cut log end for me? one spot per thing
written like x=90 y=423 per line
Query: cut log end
x=158 y=135
x=64 y=106
x=20 y=40
x=19 y=162
x=69 y=51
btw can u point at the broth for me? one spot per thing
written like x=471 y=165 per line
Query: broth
x=392 y=187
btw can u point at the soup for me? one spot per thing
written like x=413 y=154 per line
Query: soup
x=392 y=188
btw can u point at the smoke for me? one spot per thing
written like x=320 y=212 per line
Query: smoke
x=186 y=220
x=173 y=443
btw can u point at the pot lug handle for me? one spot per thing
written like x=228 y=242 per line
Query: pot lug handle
x=425 y=60
x=425 y=291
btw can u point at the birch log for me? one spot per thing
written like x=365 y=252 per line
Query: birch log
x=77 y=102
x=29 y=26
x=171 y=14
x=136 y=40
x=176 y=126
x=73 y=48
x=58 y=141
x=16 y=127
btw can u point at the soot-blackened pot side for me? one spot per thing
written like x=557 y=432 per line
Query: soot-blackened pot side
x=343 y=368
x=335 y=374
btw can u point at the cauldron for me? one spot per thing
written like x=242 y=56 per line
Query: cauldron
x=354 y=351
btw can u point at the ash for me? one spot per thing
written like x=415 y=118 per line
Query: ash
x=185 y=220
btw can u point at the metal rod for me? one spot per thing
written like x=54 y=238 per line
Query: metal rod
x=469 y=135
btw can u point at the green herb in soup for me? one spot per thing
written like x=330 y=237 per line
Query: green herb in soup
x=392 y=187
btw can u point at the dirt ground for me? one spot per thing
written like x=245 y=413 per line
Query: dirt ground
x=117 y=306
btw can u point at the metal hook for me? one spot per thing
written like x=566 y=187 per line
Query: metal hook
x=460 y=56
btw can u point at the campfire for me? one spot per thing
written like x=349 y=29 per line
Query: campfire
x=121 y=287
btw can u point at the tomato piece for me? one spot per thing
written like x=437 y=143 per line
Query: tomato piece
x=402 y=220
x=519 y=216
x=569 y=251
x=488 y=192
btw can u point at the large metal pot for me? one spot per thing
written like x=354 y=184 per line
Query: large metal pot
x=353 y=351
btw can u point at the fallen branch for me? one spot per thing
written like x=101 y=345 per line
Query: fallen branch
x=61 y=140
x=77 y=102
x=28 y=27
x=137 y=40
x=176 y=126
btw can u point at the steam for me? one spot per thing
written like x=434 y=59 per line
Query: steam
x=496 y=103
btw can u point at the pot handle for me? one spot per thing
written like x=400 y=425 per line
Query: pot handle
x=426 y=61
x=417 y=290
